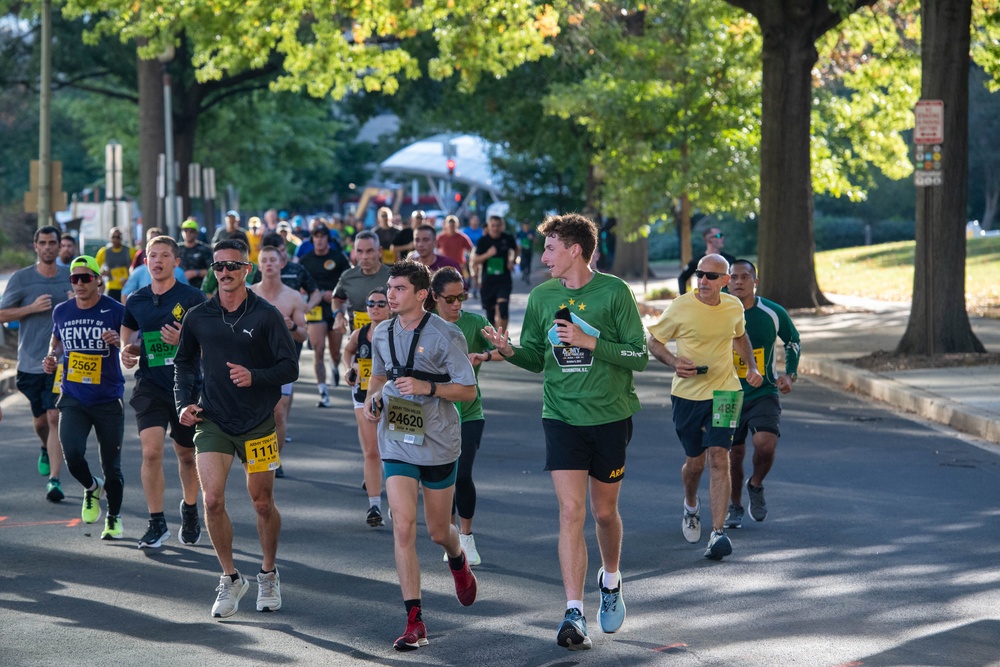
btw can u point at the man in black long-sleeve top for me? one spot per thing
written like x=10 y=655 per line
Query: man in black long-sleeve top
x=714 y=240
x=246 y=353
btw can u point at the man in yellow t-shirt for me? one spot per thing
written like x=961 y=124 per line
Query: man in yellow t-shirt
x=707 y=324
x=115 y=259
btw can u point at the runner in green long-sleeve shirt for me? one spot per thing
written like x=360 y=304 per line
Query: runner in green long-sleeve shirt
x=766 y=322
x=582 y=330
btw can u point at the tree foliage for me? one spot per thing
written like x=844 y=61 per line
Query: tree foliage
x=334 y=48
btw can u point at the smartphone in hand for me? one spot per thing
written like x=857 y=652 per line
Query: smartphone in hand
x=564 y=314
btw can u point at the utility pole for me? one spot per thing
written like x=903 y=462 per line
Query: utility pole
x=44 y=129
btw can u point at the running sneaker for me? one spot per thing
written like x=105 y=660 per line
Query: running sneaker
x=230 y=594
x=279 y=473
x=375 y=517
x=54 y=492
x=469 y=547
x=268 y=591
x=415 y=635
x=91 y=512
x=190 y=525
x=155 y=534
x=112 y=528
x=612 y=612
x=324 y=400
x=719 y=545
x=691 y=524
x=43 y=463
x=758 y=506
x=734 y=516
x=572 y=632
x=465 y=583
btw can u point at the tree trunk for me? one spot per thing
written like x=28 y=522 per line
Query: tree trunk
x=630 y=257
x=151 y=138
x=786 y=246
x=938 y=321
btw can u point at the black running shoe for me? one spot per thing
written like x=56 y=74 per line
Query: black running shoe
x=155 y=534
x=190 y=525
x=375 y=517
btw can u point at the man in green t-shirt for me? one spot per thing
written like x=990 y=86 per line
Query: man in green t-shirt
x=705 y=393
x=766 y=322
x=582 y=330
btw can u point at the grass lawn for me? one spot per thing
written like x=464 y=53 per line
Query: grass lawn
x=886 y=272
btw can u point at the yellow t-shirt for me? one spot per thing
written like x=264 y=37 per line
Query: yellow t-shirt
x=255 y=244
x=118 y=263
x=704 y=334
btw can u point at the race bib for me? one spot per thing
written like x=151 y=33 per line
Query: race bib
x=57 y=381
x=119 y=274
x=406 y=421
x=158 y=353
x=495 y=266
x=726 y=407
x=316 y=314
x=758 y=359
x=364 y=373
x=84 y=368
x=360 y=319
x=262 y=454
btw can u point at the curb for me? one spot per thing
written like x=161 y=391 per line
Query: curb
x=931 y=406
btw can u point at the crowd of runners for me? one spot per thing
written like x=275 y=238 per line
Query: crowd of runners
x=215 y=335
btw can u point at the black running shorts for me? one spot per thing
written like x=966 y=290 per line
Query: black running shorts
x=598 y=449
x=762 y=414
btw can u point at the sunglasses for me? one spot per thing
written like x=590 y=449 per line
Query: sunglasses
x=219 y=267
x=720 y=235
x=711 y=275
x=372 y=303
x=82 y=278
x=452 y=299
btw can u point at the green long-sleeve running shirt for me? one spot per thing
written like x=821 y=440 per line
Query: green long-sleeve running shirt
x=581 y=387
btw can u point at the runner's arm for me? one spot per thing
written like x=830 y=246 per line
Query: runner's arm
x=631 y=353
x=285 y=368
x=186 y=365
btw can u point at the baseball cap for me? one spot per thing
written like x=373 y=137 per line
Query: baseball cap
x=189 y=224
x=233 y=213
x=284 y=225
x=253 y=222
x=320 y=229
x=86 y=261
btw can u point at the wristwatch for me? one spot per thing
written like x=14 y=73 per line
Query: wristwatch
x=793 y=376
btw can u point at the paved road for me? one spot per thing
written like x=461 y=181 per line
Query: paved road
x=880 y=550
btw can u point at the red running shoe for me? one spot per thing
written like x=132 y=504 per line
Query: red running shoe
x=415 y=635
x=465 y=583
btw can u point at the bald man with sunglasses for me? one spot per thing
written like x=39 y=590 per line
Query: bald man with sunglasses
x=707 y=325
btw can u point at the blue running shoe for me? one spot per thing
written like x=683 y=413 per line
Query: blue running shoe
x=573 y=632
x=719 y=546
x=612 y=612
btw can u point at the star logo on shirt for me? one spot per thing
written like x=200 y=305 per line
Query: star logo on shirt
x=572 y=302
x=582 y=306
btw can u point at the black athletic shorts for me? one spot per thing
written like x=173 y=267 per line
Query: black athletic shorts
x=155 y=407
x=761 y=414
x=37 y=388
x=693 y=423
x=598 y=449
x=494 y=288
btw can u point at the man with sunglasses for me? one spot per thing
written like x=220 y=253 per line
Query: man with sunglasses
x=31 y=294
x=707 y=325
x=243 y=349
x=766 y=322
x=150 y=332
x=85 y=344
x=326 y=262
x=357 y=283
x=196 y=257
x=714 y=240
x=583 y=331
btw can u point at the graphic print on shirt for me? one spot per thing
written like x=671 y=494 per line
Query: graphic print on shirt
x=573 y=359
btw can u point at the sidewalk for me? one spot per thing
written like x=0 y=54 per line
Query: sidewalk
x=966 y=399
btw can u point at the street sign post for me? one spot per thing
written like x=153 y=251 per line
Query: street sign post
x=928 y=136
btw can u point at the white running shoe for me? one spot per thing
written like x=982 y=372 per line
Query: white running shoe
x=230 y=594
x=691 y=524
x=268 y=591
x=469 y=546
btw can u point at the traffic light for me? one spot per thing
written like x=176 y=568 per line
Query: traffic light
x=451 y=167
